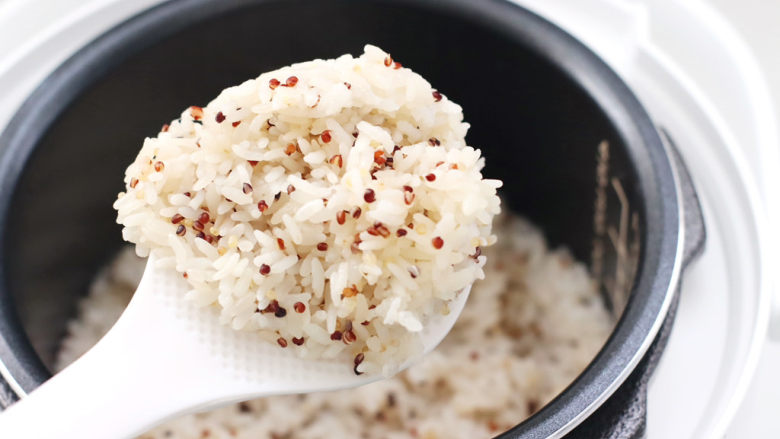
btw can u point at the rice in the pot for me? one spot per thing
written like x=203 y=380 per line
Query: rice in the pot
x=331 y=206
x=528 y=329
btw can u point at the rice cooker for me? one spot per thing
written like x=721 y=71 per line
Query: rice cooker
x=712 y=153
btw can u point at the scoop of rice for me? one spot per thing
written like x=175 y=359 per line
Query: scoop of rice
x=332 y=206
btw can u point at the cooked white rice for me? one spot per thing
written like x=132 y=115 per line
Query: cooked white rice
x=336 y=202
x=528 y=329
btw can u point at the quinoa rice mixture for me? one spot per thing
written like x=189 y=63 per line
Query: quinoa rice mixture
x=528 y=329
x=331 y=206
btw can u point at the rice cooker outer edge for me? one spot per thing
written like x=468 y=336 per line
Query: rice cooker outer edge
x=585 y=67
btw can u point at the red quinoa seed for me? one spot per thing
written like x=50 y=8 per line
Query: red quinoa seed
x=164 y=128
x=181 y=230
x=369 y=196
x=265 y=269
x=341 y=217
x=326 y=136
x=159 y=166
x=236 y=123
x=291 y=81
x=388 y=61
x=349 y=337
x=272 y=307
x=400 y=233
x=176 y=219
x=280 y=243
x=378 y=229
x=436 y=96
x=379 y=157
x=299 y=307
x=247 y=188
x=220 y=117
x=298 y=341
x=204 y=218
x=358 y=359
x=357 y=212
x=335 y=336
x=337 y=160
x=355 y=247
x=408 y=195
x=196 y=112
x=350 y=291
x=384 y=232
x=437 y=242
x=322 y=246
x=430 y=177
x=282 y=342
x=262 y=206
x=273 y=83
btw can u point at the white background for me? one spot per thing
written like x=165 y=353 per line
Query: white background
x=759 y=23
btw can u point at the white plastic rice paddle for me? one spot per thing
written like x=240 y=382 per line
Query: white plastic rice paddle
x=166 y=357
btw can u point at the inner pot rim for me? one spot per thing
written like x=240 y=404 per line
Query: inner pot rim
x=659 y=264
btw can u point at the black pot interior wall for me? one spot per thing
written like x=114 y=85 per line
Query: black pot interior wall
x=538 y=130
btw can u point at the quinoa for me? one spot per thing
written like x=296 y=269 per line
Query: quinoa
x=330 y=176
x=528 y=329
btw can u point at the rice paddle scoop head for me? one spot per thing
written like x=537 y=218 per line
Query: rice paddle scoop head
x=166 y=357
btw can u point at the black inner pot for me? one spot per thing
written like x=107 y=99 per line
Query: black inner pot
x=538 y=102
